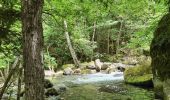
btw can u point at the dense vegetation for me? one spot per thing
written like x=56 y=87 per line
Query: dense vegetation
x=96 y=28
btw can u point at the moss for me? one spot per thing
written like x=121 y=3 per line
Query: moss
x=68 y=65
x=166 y=90
x=140 y=75
x=85 y=64
x=160 y=49
x=86 y=71
x=158 y=88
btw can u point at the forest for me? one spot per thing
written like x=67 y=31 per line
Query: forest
x=84 y=49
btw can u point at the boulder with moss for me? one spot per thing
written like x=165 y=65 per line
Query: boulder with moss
x=140 y=75
x=160 y=53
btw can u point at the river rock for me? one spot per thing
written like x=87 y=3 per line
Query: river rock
x=49 y=73
x=120 y=67
x=77 y=71
x=54 y=98
x=68 y=71
x=59 y=73
x=105 y=66
x=98 y=65
x=47 y=84
x=112 y=89
x=51 y=92
x=88 y=65
x=111 y=69
x=92 y=71
x=61 y=88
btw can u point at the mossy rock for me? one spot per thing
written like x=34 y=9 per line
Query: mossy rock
x=85 y=64
x=160 y=49
x=72 y=66
x=86 y=71
x=158 y=88
x=166 y=89
x=47 y=84
x=140 y=75
x=142 y=81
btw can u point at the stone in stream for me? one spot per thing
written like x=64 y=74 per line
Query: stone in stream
x=77 y=71
x=51 y=92
x=111 y=69
x=98 y=65
x=47 y=84
x=120 y=67
x=61 y=88
x=89 y=65
x=105 y=66
x=68 y=71
x=112 y=89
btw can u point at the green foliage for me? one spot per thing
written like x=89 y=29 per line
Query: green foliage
x=5 y=61
x=139 y=20
x=49 y=62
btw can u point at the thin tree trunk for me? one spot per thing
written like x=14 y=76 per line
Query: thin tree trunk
x=73 y=54
x=108 y=42
x=118 y=38
x=94 y=32
x=12 y=71
x=33 y=49
x=19 y=82
x=2 y=75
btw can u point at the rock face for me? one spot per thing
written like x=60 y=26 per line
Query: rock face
x=98 y=65
x=160 y=52
x=160 y=49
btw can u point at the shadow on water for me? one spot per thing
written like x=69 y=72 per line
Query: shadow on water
x=101 y=87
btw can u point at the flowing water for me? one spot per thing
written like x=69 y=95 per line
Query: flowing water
x=100 y=87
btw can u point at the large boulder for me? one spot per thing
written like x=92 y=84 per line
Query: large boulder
x=140 y=75
x=98 y=65
x=160 y=52
x=166 y=89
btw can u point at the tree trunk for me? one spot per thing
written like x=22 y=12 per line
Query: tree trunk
x=33 y=49
x=108 y=42
x=12 y=71
x=73 y=54
x=118 y=37
x=19 y=81
x=94 y=32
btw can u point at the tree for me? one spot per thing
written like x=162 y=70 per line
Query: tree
x=32 y=49
x=73 y=54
